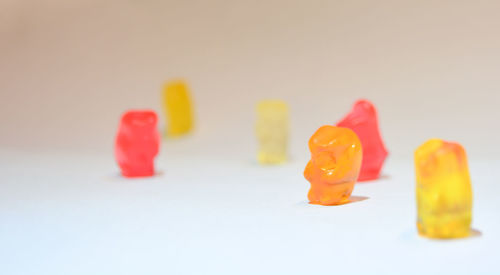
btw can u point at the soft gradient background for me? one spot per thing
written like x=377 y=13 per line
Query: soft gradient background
x=68 y=69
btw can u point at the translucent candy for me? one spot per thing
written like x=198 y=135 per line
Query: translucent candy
x=272 y=131
x=335 y=163
x=364 y=122
x=444 y=192
x=137 y=143
x=178 y=106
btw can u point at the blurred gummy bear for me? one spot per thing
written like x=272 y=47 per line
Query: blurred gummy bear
x=444 y=191
x=272 y=131
x=137 y=143
x=364 y=122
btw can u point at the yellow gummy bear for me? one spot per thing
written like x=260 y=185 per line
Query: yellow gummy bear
x=178 y=107
x=444 y=192
x=272 y=131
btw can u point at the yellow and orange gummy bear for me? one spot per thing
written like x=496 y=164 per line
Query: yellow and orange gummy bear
x=444 y=192
x=335 y=163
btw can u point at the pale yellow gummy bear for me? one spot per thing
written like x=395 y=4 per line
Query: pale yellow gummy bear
x=178 y=106
x=444 y=192
x=272 y=131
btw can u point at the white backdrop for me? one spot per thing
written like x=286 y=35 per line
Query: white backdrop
x=68 y=69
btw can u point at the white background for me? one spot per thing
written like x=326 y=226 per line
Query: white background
x=68 y=69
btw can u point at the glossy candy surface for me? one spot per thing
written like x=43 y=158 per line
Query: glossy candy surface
x=335 y=163
x=364 y=122
x=137 y=143
x=272 y=131
x=444 y=192
x=178 y=106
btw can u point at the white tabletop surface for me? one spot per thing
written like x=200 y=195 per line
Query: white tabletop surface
x=71 y=213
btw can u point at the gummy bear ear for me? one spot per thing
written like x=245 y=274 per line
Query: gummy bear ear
x=152 y=118
x=364 y=105
x=140 y=118
x=322 y=137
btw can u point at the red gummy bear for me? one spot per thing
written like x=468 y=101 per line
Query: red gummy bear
x=363 y=121
x=137 y=143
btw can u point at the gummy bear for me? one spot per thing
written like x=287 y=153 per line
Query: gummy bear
x=363 y=121
x=335 y=163
x=177 y=104
x=272 y=131
x=444 y=192
x=137 y=143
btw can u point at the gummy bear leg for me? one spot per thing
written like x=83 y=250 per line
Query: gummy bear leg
x=367 y=174
x=330 y=194
x=445 y=226
x=141 y=171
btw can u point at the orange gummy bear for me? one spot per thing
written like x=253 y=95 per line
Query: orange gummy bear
x=335 y=163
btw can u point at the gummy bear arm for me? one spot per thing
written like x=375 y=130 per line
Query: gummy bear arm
x=309 y=171
x=157 y=143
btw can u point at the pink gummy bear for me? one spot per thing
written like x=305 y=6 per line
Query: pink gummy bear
x=137 y=143
x=363 y=121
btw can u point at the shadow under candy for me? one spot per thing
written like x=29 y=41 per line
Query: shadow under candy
x=473 y=233
x=381 y=178
x=119 y=177
x=352 y=199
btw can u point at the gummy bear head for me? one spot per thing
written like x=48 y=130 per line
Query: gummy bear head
x=437 y=158
x=332 y=147
x=139 y=120
x=272 y=120
x=362 y=112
